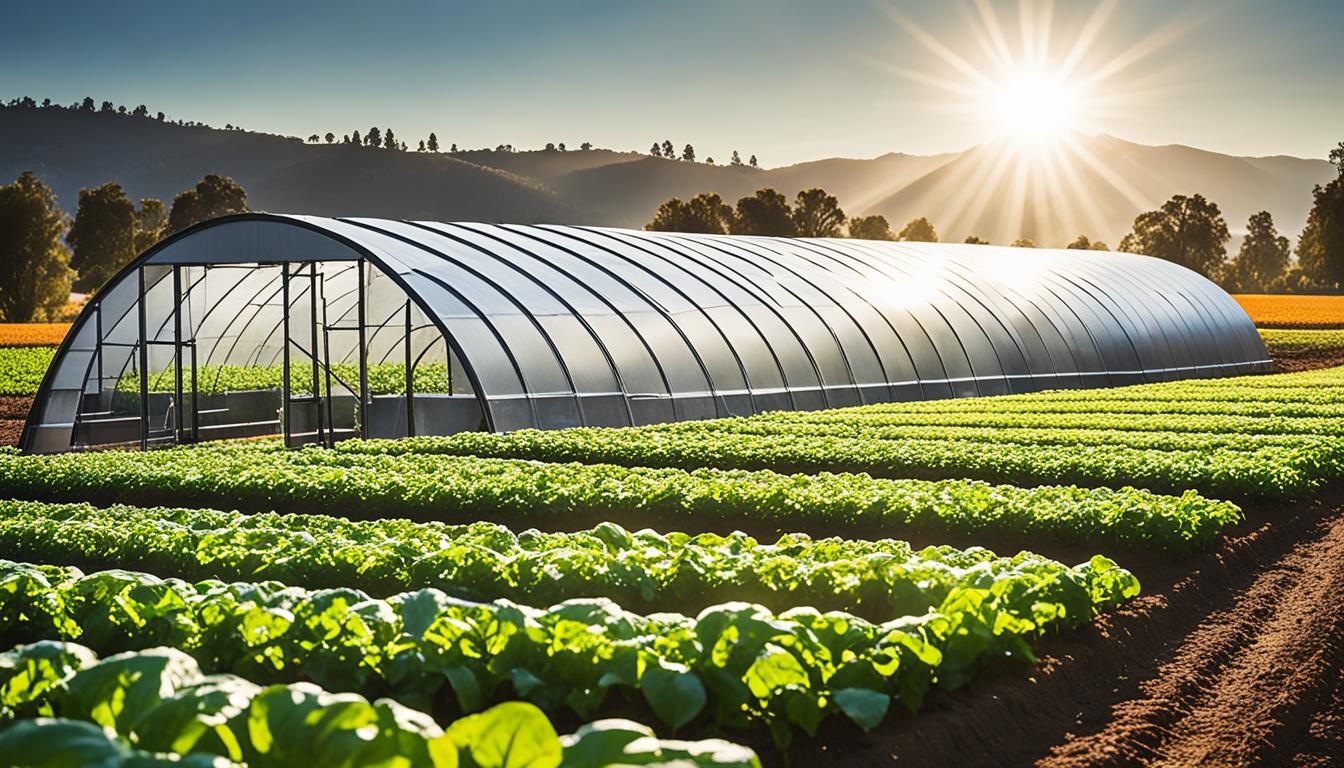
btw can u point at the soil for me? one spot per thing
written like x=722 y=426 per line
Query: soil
x=1289 y=360
x=1230 y=658
x=13 y=411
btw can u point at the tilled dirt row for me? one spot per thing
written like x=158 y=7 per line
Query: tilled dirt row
x=1230 y=658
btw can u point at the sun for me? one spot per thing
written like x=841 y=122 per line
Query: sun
x=1033 y=107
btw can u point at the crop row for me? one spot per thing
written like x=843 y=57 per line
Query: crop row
x=22 y=369
x=732 y=665
x=358 y=481
x=1294 y=340
x=152 y=707
x=32 y=334
x=1286 y=311
x=1270 y=472
x=384 y=379
x=879 y=580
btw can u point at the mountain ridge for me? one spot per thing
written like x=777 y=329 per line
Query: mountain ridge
x=1089 y=185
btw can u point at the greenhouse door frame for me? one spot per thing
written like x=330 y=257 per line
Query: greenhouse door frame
x=324 y=430
x=184 y=430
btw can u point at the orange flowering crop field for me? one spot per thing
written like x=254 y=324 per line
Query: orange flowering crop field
x=1278 y=311
x=32 y=334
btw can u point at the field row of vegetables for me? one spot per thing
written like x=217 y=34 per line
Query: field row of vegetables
x=71 y=706
x=1288 y=340
x=1268 y=437
x=732 y=665
x=32 y=334
x=879 y=580
x=22 y=369
x=384 y=379
x=357 y=481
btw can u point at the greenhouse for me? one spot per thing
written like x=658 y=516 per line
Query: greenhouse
x=319 y=329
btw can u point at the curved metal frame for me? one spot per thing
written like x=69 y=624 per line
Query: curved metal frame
x=724 y=318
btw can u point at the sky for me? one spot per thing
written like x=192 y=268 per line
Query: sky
x=786 y=80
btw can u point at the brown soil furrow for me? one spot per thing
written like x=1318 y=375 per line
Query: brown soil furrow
x=1322 y=746
x=1085 y=679
x=1243 y=687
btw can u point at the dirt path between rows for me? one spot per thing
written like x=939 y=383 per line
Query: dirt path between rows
x=1232 y=658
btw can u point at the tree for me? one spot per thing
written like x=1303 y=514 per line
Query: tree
x=159 y=117
x=817 y=214
x=102 y=237
x=421 y=148
x=668 y=150
x=453 y=148
x=106 y=108
x=705 y=213
x=374 y=138
x=550 y=146
x=1189 y=231
x=560 y=146
x=688 y=154
x=1083 y=243
x=1320 y=247
x=764 y=213
x=919 y=231
x=1023 y=242
x=355 y=139
x=151 y=219
x=87 y=104
x=752 y=162
x=1262 y=260
x=709 y=161
x=973 y=240
x=433 y=144
x=314 y=139
x=390 y=141
x=873 y=227
x=330 y=137
x=35 y=269
x=213 y=196
x=737 y=159
x=141 y=111
x=656 y=150
x=586 y=146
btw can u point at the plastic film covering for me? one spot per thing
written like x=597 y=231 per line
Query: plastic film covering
x=555 y=326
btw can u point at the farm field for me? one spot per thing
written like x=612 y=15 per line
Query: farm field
x=839 y=586
x=1291 y=311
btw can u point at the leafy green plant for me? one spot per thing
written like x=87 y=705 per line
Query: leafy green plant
x=148 y=707
x=22 y=369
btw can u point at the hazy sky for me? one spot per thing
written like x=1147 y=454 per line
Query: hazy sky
x=784 y=79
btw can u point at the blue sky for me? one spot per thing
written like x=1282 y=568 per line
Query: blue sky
x=784 y=79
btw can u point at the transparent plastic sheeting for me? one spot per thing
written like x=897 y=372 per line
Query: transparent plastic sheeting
x=556 y=326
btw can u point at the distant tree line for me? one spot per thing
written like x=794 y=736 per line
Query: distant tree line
x=1187 y=230
x=44 y=253
x=667 y=150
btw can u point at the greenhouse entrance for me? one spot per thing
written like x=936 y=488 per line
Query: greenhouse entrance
x=312 y=351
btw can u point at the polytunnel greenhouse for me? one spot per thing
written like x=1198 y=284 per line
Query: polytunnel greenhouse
x=319 y=329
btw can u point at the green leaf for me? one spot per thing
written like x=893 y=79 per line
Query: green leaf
x=509 y=735
x=865 y=707
x=675 y=693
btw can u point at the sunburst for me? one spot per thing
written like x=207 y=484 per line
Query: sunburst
x=1038 y=88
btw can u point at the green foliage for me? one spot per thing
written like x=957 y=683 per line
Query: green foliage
x=1084 y=243
x=1260 y=264
x=706 y=213
x=873 y=227
x=420 y=477
x=734 y=664
x=1320 y=247
x=156 y=707
x=764 y=213
x=921 y=230
x=879 y=580
x=1084 y=437
x=1299 y=340
x=102 y=236
x=384 y=379
x=1189 y=231
x=22 y=369
x=817 y=214
x=213 y=196
x=35 y=269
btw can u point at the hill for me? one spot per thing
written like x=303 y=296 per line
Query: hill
x=1094 y=185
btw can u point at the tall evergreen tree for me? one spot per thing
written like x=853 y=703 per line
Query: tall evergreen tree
x=1320 y=247
x=35 y=269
